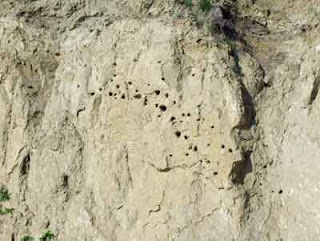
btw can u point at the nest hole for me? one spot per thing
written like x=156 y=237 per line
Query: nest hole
x=137 y=96
x=163 y=108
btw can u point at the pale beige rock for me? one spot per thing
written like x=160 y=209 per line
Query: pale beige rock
x=120 y=121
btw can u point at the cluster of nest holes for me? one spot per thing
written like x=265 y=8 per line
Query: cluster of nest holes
x=179 y=134
x=279 y=192
x=163 y=108
x=192 y=148
x=117 y=93
x=224 y=147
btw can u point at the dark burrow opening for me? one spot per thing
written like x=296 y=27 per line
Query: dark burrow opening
x=137 y=96
x=25 y=165
x=65 y=181
x=163 y=108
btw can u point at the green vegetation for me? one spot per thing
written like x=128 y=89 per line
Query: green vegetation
x=4 y=211
x=4 y=194
x=205 y=5
x=197 y=11
x=27 y=238
x=47 y=236
x=4 y=197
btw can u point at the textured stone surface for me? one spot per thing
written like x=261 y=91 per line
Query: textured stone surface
x=125 y=120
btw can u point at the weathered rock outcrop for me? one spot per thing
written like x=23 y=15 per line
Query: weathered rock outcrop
x=136 y=120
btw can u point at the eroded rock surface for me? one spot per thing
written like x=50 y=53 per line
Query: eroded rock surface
x=130 y=120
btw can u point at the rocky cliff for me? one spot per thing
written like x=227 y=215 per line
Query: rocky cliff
x=159 y=120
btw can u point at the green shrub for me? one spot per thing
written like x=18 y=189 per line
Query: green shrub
x=47 y=236
x=4 y=194
x=4 y=197
x=205 y=5
x=6 y=211
x=27 y=238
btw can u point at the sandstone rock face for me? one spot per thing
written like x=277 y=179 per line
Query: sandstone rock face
x=126 y=120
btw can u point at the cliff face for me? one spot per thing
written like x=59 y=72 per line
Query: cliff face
x=138 y=120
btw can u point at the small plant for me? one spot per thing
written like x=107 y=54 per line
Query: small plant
x=4 y=197
x=205 y=5
x=47 y=236
x=27 y=238
x=6 y=211
x=4 y=194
